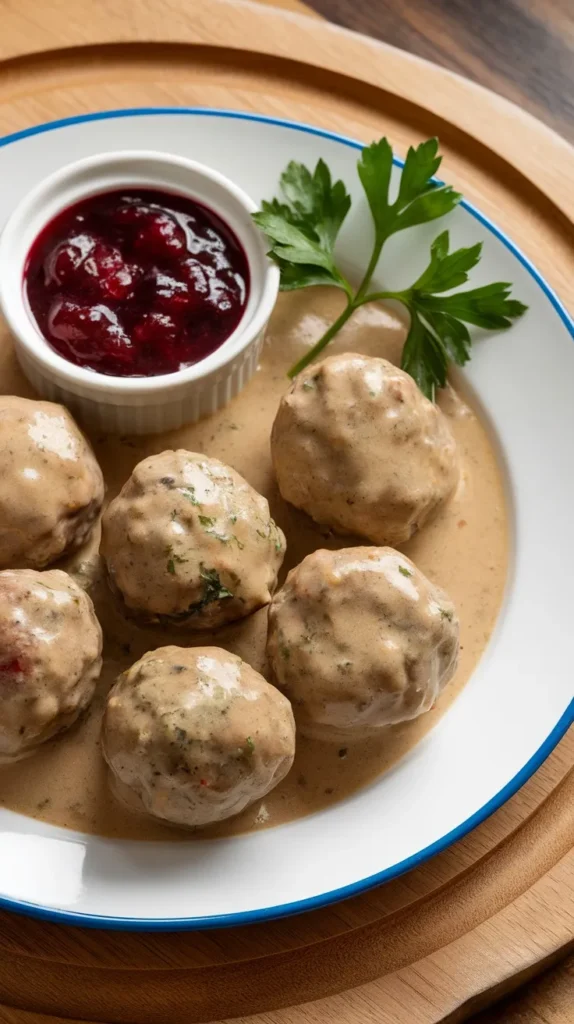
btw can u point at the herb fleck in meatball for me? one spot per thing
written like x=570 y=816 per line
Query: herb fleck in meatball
x=195 y=735
x=360 y=639
x=52 y=486
x=358 y=447
x=50 y=657
x=189 y=541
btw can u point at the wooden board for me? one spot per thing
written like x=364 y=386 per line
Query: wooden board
x=436 y=943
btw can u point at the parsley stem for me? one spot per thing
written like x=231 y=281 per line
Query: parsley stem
x=360 y=295
x=352 y=305
x=403 y=297
x=346 y=287
x=323 y=341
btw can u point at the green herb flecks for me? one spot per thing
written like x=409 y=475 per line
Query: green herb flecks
x=189 y=493
x=275 y=534
x=404 y=571
x=213 y=589
x=271 y=533
x=303 y=227
x=173 y=560
x=208 y=524
x=249 y=747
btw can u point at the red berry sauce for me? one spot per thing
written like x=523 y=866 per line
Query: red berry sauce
x=136 y=283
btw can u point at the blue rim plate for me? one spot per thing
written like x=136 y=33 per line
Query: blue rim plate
x=551 y=311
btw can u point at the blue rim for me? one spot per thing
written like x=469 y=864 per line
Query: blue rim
x=559 y=730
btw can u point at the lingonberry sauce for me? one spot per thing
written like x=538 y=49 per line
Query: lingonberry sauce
x=136 y=283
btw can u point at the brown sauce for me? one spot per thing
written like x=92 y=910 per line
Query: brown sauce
x=464 y=549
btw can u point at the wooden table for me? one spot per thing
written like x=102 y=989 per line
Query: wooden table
x=522 y=49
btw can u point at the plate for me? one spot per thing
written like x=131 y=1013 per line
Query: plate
x=519 y=701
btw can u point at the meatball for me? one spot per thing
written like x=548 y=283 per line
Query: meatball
x=189 y=541
x=358 y=447
x=52 y=486
x=195 y=735
x=50 y=657
x=359 y=639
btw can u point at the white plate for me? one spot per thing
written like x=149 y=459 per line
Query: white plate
x=518 y=703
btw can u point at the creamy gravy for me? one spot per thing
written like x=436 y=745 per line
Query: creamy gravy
x=464 y=549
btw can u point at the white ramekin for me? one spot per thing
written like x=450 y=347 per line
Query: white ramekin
x=126 y=404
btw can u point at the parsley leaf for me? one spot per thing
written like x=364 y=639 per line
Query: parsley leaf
x=420 y=199
x=303 y=227
x=489 y=307
x=294 y=277
x=453 y=334
x=213 y=589
x=424 y=357
x=421 y=165
x=316 y=200
x=374 y=167
x=447 y=271
x=438 y=332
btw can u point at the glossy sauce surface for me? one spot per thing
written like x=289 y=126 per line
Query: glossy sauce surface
x=137 y=283
x=464 y=549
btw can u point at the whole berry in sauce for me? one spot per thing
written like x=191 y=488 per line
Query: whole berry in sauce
x=95 y=267
x=196 y=276
x=160 y=236
x=64 y=263
x=223 y=293
x=155 y=336
x=169 y=294
x=128 y=212
x=92 y=334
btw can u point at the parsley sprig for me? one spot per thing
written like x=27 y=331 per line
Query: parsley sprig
x=303 y=227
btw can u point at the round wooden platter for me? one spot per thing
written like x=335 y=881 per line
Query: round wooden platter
x=476 y=920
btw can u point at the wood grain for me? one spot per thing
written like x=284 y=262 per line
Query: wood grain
x=546 y=1000
x=436 y=943
x=523 y=49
